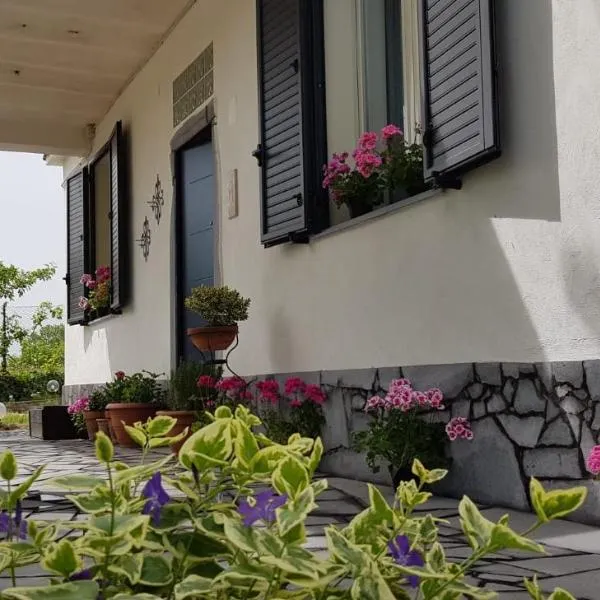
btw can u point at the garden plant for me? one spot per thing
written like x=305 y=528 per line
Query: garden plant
x=228 y=521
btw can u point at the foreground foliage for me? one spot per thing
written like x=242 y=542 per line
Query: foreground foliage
x=229 y=522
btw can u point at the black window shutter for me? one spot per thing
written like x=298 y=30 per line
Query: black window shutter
x=118 y=233
x=292 y=121
x=460 y=113
x=77 y=209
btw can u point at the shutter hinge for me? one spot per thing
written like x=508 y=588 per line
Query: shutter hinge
x=447 y=181
x=67 y=279
x=259 y=155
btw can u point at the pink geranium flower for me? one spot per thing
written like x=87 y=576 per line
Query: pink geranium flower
x=459 y=428
x=206 y=381
x=390 y=131
x=593 y=461
x=367 y=141
x=294 y=385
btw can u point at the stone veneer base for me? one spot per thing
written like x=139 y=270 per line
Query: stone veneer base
x=528 y=420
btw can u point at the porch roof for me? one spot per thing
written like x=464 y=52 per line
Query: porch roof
x=64 y=62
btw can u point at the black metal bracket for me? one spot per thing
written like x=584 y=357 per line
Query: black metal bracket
x=447 y=181
x=259 y=155
x=299 y=237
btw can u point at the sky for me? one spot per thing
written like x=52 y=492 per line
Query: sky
x=33 y=221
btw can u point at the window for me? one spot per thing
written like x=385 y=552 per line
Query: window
x=371 y=59
x=330 y=69
x=96 y=233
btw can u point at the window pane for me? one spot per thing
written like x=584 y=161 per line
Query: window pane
x=101 y=211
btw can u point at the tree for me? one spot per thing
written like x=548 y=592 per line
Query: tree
x=14 y=282
x=42 y=352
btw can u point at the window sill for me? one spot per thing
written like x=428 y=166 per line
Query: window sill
x=101 y=320
x=376 y=214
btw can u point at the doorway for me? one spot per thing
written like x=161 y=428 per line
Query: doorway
x=195 y=232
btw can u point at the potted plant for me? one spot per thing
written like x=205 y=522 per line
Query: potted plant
x=384 y=164
x=132 y=398
x=95 y=410
x=99 y=286
x=222 y=308
x=191 y=392
x=77 y=411
x=402 y=430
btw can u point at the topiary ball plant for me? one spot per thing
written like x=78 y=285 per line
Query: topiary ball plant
x=219 y=306
x=222 y=308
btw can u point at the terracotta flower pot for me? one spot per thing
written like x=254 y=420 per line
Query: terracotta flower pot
x=104 y=427
x=185 y=418
x=213 y=339
x=91 y=423
x=128 y=413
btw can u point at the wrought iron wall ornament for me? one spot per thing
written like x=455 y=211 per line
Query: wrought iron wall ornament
x=144 y=241
x=158 y=200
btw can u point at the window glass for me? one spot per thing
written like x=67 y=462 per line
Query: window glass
x=101 y=212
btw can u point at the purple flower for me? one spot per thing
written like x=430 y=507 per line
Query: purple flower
x=157 y=497
x=400 y=550
x=84 y=575
x=16 y=526
x=262 y=509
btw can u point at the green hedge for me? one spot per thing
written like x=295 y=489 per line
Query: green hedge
x=21 y=387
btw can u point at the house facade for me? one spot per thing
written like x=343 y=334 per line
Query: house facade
x=203 y=165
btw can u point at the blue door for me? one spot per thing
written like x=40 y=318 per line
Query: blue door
x=196 y=217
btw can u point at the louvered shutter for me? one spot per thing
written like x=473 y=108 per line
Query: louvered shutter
x=288 y=66
x=118 y=233
x=77 y=207
x=460 y=101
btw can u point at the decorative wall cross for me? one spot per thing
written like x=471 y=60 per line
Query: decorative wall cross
x=144 y=241
x=158 y=200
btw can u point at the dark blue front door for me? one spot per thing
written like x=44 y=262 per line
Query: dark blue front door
x=196 y=235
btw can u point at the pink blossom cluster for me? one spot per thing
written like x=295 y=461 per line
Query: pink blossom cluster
x=459 y=428
x=593 y=461
x=80 y=405
x=268 y=390
x=336 y=167
x=99 y=286
x=367 y=158
x=102 y=276
x=296 y=391
x=234 y=388
x=206 y=381
x=365 y=155
x=402 y=396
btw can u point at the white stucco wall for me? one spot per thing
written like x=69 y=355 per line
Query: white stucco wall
x=506 y=269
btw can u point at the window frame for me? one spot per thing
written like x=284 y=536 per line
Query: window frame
x=114 y=146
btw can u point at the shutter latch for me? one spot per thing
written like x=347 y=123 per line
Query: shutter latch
x=259 y=155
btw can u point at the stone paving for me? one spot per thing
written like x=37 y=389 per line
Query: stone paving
x=573 y=550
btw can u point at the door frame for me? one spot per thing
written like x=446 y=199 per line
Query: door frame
x=195 y=131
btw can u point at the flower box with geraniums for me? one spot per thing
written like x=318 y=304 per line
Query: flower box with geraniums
x=141 y=541
x=386 y=167
x=300 y=410
x=404 y=427
x=191 y=392
x=99 y=287
x=222 y=308
x=132 y=398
